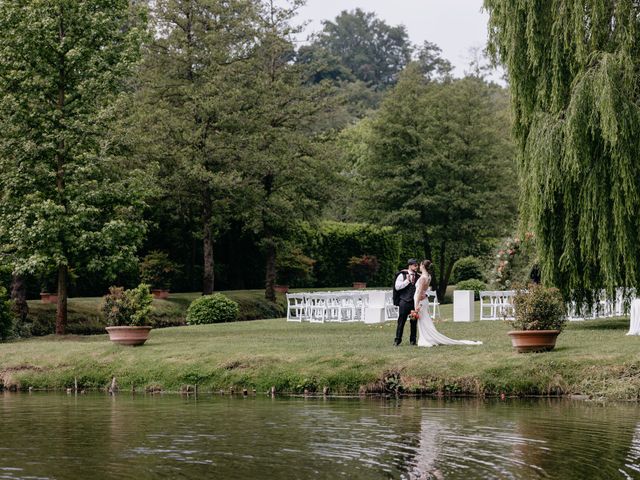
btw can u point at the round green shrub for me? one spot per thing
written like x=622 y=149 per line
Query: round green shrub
x=472 y=284
x=467 y=268
x=214 y=308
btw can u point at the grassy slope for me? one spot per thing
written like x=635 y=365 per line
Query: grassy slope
x=85 y=317
x=592 y=358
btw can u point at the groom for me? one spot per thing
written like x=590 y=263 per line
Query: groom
x=405 y=286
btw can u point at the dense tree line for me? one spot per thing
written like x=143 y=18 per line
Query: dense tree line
x=200 y=128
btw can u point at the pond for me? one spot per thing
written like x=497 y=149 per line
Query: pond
x=146 y=436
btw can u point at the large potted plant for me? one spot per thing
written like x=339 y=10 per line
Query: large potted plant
x=540 y=315
x=293 y=268
x=157 y=270
x=363 y=269
x=127 y=313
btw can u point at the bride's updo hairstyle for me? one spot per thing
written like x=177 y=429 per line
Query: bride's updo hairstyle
x=426 y=265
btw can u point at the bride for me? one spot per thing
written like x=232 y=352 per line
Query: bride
x=428 y=336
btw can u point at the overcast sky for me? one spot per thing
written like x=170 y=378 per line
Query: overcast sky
x=454 y=25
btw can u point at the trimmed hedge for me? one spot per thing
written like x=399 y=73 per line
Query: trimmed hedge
x=466 y=268
x=334 y=244
x=215 y=308
x=472 y=284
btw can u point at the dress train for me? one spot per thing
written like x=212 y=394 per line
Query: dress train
x=428 y=336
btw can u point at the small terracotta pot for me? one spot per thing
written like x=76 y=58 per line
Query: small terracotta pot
x=129 y=335
x=359 y=285
x=160 y=293
x=281 y=288
x=533 y=340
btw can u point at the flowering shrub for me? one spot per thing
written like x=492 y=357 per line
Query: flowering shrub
x=514 y=262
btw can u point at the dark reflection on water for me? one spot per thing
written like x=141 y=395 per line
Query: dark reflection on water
x=94 y=436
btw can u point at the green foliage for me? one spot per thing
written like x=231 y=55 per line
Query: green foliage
x=6 y=315
x=438 y=164
x=466 y=268
x=157 y=270
x=371 y=50
x=539 y=308
x=515 y=261
x=66 y=202
x=363 y=268
x=294 y=268
x=472 y=284
x=127 y=307
x=573 y=72
x=216 y=308
x=335 y=243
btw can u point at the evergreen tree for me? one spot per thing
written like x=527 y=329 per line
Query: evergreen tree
x=191 y=111
x=573 y=69
x=439 y=167
x=372 y=50
x=65 y=204
x=286 y=167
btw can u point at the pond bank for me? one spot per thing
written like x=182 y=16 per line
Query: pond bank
x=592 y=359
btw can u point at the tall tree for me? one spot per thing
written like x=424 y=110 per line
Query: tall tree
x=63 y=201
x=573 y=69
x=285 y=169
x=439 y=166
x=191 y=109
x=372 y=50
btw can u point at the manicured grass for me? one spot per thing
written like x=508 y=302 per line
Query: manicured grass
x=592 y=358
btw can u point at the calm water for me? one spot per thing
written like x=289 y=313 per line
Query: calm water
x=94 y=436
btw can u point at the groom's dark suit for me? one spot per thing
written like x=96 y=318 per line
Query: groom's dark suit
x=405 y=307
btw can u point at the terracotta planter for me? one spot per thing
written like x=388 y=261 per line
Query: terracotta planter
x=160 y=293
x=533 y=340
x=359 y=285
x=281 y=288
x=48 y=297
x=129 y=335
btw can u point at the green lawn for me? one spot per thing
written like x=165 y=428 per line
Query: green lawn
x=592 y=358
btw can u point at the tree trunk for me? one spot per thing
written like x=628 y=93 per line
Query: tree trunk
x=61 y=311
x=270 y=280
x=207 y=275
x=19 y=297
x=443 y=278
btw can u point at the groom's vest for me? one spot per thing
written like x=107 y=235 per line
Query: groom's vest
x=407 y=293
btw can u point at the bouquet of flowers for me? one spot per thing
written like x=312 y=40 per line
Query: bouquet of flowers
x=413 y=315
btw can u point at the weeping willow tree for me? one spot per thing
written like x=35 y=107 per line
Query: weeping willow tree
x=574 y=71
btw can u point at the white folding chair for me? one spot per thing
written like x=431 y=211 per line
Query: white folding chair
x=296 y=307
x=434 y=304
x=316 y=308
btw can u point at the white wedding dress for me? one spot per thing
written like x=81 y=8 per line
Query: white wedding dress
x=428 y=336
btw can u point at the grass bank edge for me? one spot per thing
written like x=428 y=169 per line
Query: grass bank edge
x=227 y=356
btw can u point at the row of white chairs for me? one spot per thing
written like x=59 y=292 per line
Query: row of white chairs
x=603 y=306
x=498 y=305
x=345 y=306
x=392 y=311
x=320 y=307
